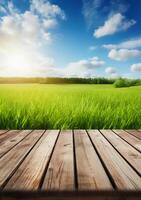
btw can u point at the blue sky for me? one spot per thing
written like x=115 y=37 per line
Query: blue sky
x=79 y=38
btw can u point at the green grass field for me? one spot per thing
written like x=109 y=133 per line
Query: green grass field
x=69 y=106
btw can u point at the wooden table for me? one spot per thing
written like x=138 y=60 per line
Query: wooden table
x=70 y=164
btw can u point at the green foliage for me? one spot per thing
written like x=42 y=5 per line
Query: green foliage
x=41 y=106
x=136 y=82
x=119 y=83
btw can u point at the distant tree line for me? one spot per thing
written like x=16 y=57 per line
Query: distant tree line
x=57 y=80
x=118 y=83
x=77 y=80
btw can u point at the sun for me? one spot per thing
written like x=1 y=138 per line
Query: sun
x=18 y=63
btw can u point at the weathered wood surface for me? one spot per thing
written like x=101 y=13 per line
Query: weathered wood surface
x=29 y=174
x=60 y=173
x=3 y=131
x=16 y=137
x=12 y=160
x=122 y=174
x=135 y=142
x=74 y=162
x=127 y=151
x=135 y=133
x=90 y=172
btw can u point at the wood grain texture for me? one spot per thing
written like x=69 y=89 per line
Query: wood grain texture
x=29 y=174
x=13 y=158
x=135 y=142
x=127 y=151
x=70 y=161
x=2 y=132
x=60 y=172
x=8 y=135
x=90 y=172
x=6 y=145
x=135 y=133
x=122 y=174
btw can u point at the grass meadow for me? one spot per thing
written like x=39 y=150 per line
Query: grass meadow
x=40 y=106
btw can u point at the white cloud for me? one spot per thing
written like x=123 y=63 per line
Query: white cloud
x=114 y=24
x=50 y=23
x=84 y=68
x=136 y=67
x=123 y=54
x=129 y=44
x=94 y=11
x=23 y=37
x=110 y=70
x=46 y=9
x=89 y=10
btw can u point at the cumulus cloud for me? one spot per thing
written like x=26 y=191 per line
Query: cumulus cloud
x=110 y=70
x=84 y=68
x=46 y=9
x=114 y=24
x=136 y=67
x=129 y=44
x=95 y=11
x=123 y=54
x=23 y=37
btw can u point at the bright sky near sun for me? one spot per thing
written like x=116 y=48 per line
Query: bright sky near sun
x=70 y=38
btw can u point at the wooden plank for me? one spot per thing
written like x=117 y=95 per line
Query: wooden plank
x=135 y=142
x=2 y=132
x=135 y=133
x=8 y=135
x=28 y=176
x=121 y=172
x=79 y=195
x=13 y=158
x=127 y=151
x=90 y=172
x=60 y=173
x=6 y=145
